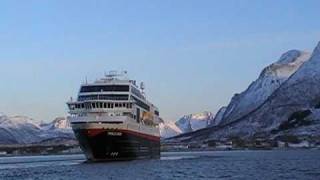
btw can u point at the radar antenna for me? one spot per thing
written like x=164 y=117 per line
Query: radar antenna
x=142 y=87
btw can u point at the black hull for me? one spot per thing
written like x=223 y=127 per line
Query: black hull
x=116 y=145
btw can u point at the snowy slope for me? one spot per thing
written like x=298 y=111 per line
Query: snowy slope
x=169 y=130
x=18 y=129
x=269 y=80
x=218 y=117
x=23 y=130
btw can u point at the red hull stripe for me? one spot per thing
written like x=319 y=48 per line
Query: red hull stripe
x=94 y=132
x=146 y=136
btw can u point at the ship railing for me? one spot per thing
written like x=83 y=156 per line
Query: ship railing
x=98 y=119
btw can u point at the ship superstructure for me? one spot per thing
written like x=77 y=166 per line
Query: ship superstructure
x=113 y=120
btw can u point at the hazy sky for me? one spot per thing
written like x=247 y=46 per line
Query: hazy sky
x=192 y=55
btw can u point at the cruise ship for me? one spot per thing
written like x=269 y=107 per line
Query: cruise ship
x=113 y=120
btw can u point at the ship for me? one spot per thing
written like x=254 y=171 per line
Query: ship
x=113 y=120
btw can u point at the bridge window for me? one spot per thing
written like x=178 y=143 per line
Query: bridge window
x=109 y=88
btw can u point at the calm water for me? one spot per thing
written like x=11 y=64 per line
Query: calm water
x=299 y=164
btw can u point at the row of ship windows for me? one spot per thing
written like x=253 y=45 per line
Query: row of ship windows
x=128 y=114
x=119 y=97
x=108 y=105
x=101 y=105
x=114 y=97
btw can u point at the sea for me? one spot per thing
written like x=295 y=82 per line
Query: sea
x=269 y=164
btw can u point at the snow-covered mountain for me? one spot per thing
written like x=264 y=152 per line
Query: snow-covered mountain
x=24 y=130
x=187 y=123
x=284 y=101
x=193 y=122
x=269 y=80
x=18 y=129
x=289 y=108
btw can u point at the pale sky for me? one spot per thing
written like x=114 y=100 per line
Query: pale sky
x=192 y=55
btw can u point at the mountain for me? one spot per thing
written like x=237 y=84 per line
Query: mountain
x=24 y=130
x=269 y=80
x=193 y=122
x=283 y=104
x=18 y=129
x=185 y=124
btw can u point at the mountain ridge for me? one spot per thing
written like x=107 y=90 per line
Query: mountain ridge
x=291 y=110
x=24 y=130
